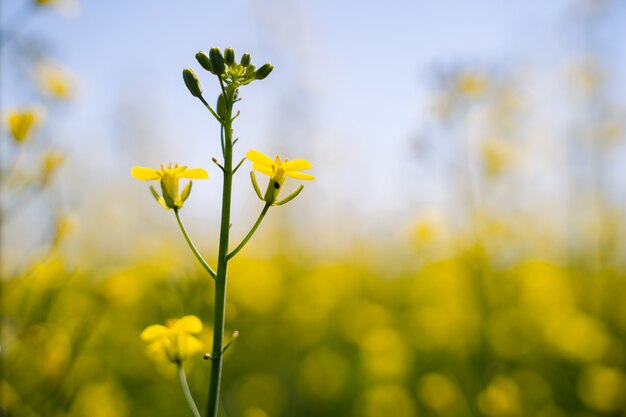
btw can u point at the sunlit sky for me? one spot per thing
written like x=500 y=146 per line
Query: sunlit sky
x=352 y=88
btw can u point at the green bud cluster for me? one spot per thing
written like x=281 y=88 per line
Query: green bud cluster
x=227 y=68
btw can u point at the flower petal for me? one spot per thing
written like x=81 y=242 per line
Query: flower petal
x=194 y=173
x=188 y=324
x=259 y=158
x=299 y=175
x=193 y=345
x=263 y=169
x=145 y=174
x=154 y=332
x=297 y=165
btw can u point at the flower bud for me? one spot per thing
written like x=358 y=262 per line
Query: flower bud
x=245 y=60
x=192 y=82
x=204 y=60
x=229 y=56
x=250 y=71
x=222 y=111
x=217 y=61
x=264 y=71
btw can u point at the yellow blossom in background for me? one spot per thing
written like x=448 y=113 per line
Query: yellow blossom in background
x=69 y=8
x=174 y=339
x=471 y=84
x=21 y=123
x=49 y=164
x=169 y=178
x=497 y=156
x=602 y=388
x=278 y=170
x=587 y=76
x=53 y=81
x=64 y=226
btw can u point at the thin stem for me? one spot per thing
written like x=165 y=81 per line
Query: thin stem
x=219 y=119
x=229 y=106
x=193 y=248
x=222 y=141
x=183 y=383
x=251 y=232
x=222 y=265
x=239 y=164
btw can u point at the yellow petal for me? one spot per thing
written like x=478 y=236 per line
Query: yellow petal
x=263 y=169
x=154 y=332
x=297 y=165
x=299 y=175
x=193 y=345
x=145 y=174
x=259 y=158
x=188 y=324
x=194 y=173
x=21 y=123
x=179 y=169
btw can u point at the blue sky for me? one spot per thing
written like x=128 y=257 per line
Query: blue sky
x=352 y=87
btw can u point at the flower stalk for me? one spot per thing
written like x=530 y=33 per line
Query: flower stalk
x=185 y=386
x=175 y=339
x=193 y=248
x=222 y=262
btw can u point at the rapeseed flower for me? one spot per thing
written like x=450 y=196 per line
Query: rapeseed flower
x=51 y=161
x=175 y=339
x=21 y=123
x=54 y=81
x=278 y=171
x=169 y=178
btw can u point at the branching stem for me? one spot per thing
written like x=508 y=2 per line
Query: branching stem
x=193 y=248
x=251 y=232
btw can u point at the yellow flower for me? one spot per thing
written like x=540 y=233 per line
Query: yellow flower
x=175 y=338
x=67 y=7
x=169 y=182
x=51 y=162
x=471 y=84
x=277 y=170
x=54 y=81
x=21 y=123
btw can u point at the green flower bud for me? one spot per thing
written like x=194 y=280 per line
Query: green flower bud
x=229 y=56
x=217 y=61
x=245 y=60
x=192 y=82
x=204 y=60
x=221 y=107
x=264 y=71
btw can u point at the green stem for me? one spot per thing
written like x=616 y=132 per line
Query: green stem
x=250 y=233
x=183 y=383
x=193 y=248
x=229 y=106
x=210 y=109
x=222 y=264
